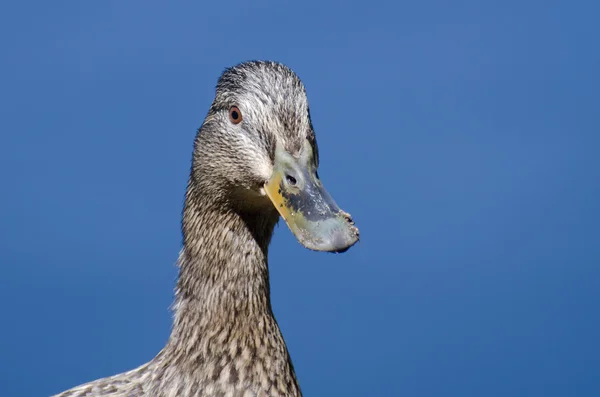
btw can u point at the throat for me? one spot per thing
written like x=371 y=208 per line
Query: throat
x=224 y=277
x=224 y=330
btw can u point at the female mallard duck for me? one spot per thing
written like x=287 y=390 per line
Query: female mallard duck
x=255 y=158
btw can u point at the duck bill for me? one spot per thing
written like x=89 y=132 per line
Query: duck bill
x=308 y=210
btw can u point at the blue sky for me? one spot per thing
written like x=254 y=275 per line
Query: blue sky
x=462 y=136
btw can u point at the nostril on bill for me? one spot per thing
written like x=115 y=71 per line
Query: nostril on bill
x=291 y=180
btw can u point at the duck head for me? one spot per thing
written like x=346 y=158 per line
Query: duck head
x=257 y=152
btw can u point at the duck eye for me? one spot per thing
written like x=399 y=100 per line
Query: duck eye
x=235 y=116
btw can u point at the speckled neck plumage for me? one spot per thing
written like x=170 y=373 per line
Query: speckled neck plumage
x=225 y=340
x=224 y=323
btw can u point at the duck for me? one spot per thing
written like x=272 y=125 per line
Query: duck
x=254 y=161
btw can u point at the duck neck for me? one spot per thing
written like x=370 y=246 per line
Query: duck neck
x=223 y=310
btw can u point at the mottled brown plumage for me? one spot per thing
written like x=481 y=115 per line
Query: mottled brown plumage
x=225 y=340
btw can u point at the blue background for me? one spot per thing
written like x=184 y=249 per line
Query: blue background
x=462 y=136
